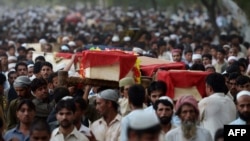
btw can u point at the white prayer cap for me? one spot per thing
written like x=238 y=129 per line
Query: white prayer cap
x=126 y=39
x=72 y=43
x=226 y=46
x=11 y=43
x=142 y=120
x=65 y=38
x=157 y=34
x=138 y=50
x=173 y=37
x=30 y=65
x=166 y=38
x=196 y=56
x=167 y=98
x=22 y=81
x=242 y=93
x=12 y=58
x=232 y=58
x=115 y=38
x=42 y=41
x=65 y=48
x=24 y=45
x=11 y=65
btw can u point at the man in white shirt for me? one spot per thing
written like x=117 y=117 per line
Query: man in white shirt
x=187 y=109
x=65 y=110
x=217 y=109
x=108 y=127
x=243 y=102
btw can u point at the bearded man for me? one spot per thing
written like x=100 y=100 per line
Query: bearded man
x=164 y=111
x=242 y=104
x=187 y=110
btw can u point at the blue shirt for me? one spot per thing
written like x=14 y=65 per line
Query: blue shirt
x=238 y=121
x=15 y=133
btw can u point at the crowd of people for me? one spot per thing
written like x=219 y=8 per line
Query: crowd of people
x=35 y=107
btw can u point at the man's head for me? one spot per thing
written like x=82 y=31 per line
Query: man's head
x=81 y=107
x=2 y=80
x=22 y=86
x=196 y=58
x=206 y=59
x=215 y=83
x=40 y=131
x=65 y=111
x=25 y=111
x=164 y=109
x=232 y=83
x=46 y=69
x=39 y=88
x=188 y=55
x=187 y=110
x=106 y=101
x=53 y=80
x=21 y=69
x=156 y=90
x=143 y=126
x=136 y=95
x=124 y=85
x=12 y=75
x=176 y=55
x=243 y=83
x=242 y=104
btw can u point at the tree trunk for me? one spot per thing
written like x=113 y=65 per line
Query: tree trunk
x=154 y=3
x=211 y=9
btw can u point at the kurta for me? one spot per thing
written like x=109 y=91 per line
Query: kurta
x=216 y=111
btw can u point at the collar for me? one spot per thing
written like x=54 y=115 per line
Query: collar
x=117 y=118
x=73 y=132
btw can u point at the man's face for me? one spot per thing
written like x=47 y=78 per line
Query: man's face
x=220 y=56
x=29 y=55
x=41 y=92
x=40 y=135
x=243 y=106
x=12 y=78
x=188 y=57
x=22 y=70
x=164 y=113
x=125 y=91
x=25 y=114
x=232 y=87
x=65 y=118
x=4 y=60
x=188 y=113
x=102 y=106
x=46 y=71
x=205 y=61
x=243 y=87
x=21 y=91
x=176 y=56
x=30 y=71
x=155 y=95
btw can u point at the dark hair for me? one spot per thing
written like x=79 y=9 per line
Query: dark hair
x=164 y=102
x=59 y=93
x=188 y=51
x=47 y=64
x=152 y=130
x=28 y=102
x=157 y=86
x=67 y=104
x=241 y=80
x=52 y=76
x=10 y=73
x=197 y=67
x=2 y=78
x=41 y=58
x=217 y=82
x=219 y=134
x=222 y=51
x=82 y=103
x=40 y=125
x=136 y=95
x=20 y=64
x=233 y=76
x=198 y=47
x=209 y=56
x=37 y=67
x=233 y=68
x=3 y=55
x=37 y=83
x=21 y=49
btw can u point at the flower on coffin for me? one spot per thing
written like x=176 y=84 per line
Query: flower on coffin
x=137 y=72
x=95 y=48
